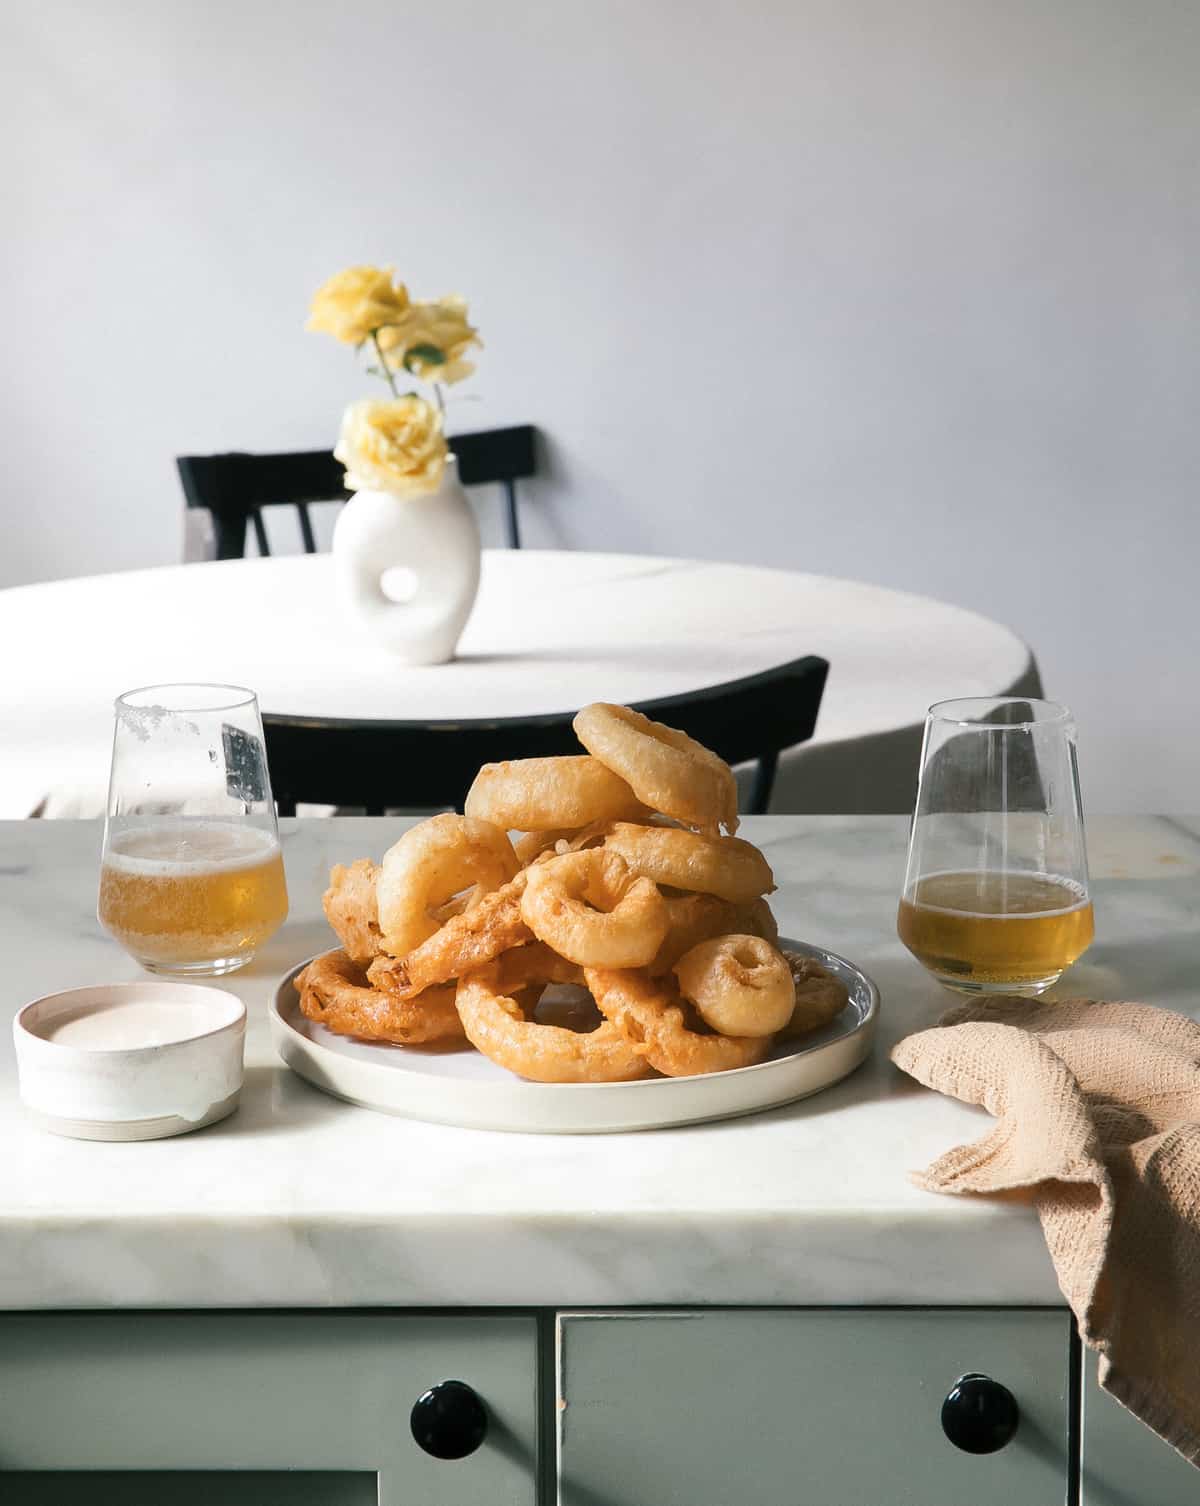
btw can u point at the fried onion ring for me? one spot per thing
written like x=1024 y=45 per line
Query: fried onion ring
x=758 y=919
x=724 y=866
x=351 y=910
x=699 y=917
x=490 y=926
x=432 y=862
x=693 y=918
x=651 y=1015
x=740 y=985
x=592 y=910
x=667 y=770
x=496 y=1023
x=820 y=997
x=531 y=845
x=334 y=992
x=547 y=794
x=455 y=906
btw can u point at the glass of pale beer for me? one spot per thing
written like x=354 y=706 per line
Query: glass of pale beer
x=191 y=876
x=996 y=893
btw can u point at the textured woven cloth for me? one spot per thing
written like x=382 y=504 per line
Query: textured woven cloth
x=1098 y=1123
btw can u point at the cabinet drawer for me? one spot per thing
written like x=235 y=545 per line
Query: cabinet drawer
x=824 y=1407
x=316 y=1393
x=1124 y=1463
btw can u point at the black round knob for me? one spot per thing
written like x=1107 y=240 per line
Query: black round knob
x=979 y=1415
x=449 y=1421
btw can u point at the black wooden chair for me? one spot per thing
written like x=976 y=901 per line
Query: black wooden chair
x=430 y=765
x=236 y=487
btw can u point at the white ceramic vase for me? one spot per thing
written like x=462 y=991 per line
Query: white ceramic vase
x=434 y=537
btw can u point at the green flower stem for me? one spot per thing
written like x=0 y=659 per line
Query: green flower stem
x=441 y=401
x=383 y=365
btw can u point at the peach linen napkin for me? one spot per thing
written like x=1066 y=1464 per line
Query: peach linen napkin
x=1098 y=1110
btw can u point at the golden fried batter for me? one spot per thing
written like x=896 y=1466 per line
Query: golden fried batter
x=820 y=998
x=494 y=1017
x=351 y=910
x=334 y=992
x=490 y=925
x=651 y=1015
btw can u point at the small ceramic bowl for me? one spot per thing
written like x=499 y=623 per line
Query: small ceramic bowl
x=131 y=1061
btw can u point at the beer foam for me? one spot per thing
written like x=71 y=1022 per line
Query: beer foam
x=177 y=848
x=1005 y=879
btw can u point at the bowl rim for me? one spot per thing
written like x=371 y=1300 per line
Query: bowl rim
x=27 y=1038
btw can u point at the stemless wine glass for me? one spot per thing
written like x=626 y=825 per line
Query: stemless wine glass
x=191 y=876
x=996 y=893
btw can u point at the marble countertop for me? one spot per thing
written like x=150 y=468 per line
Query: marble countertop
x=298 y=1200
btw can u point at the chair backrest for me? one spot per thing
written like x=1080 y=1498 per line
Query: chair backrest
x=236 y=487
x=498 y=455
x=430 y=765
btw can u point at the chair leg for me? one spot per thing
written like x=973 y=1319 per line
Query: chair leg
x=306 y=532
x=260 y=533
x=231 y=537
x=764 y=783
x=514 y=534
x=284 y=806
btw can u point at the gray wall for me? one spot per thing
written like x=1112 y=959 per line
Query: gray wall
x=897 y=289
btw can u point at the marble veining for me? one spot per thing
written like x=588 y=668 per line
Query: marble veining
x=298 y=1200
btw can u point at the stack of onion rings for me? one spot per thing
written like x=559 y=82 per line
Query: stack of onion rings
x=621 y=879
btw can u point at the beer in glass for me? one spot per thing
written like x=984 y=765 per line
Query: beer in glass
x=996 y=894
x=191 y=875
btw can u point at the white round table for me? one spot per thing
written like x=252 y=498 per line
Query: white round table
x=550 y=631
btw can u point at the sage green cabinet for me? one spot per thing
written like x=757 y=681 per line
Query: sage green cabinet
x=698 y=1407
x=804 y=1407
x=298 y=1408
x=1124 y=1463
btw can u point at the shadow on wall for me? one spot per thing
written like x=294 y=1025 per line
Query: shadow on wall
x=821 y=777
x=542 y=523
x=574 y=505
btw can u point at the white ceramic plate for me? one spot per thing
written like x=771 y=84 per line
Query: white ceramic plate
x=464 y=1088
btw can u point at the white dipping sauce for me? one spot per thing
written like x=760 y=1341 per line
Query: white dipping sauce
x=128 y=1025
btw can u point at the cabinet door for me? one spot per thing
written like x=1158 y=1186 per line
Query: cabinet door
x=804 y=1408
x=1124 y=1463
x=310 y=1407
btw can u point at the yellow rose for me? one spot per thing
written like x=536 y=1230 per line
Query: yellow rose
x=430 y=340
x=357 y=302
x=392 y=446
